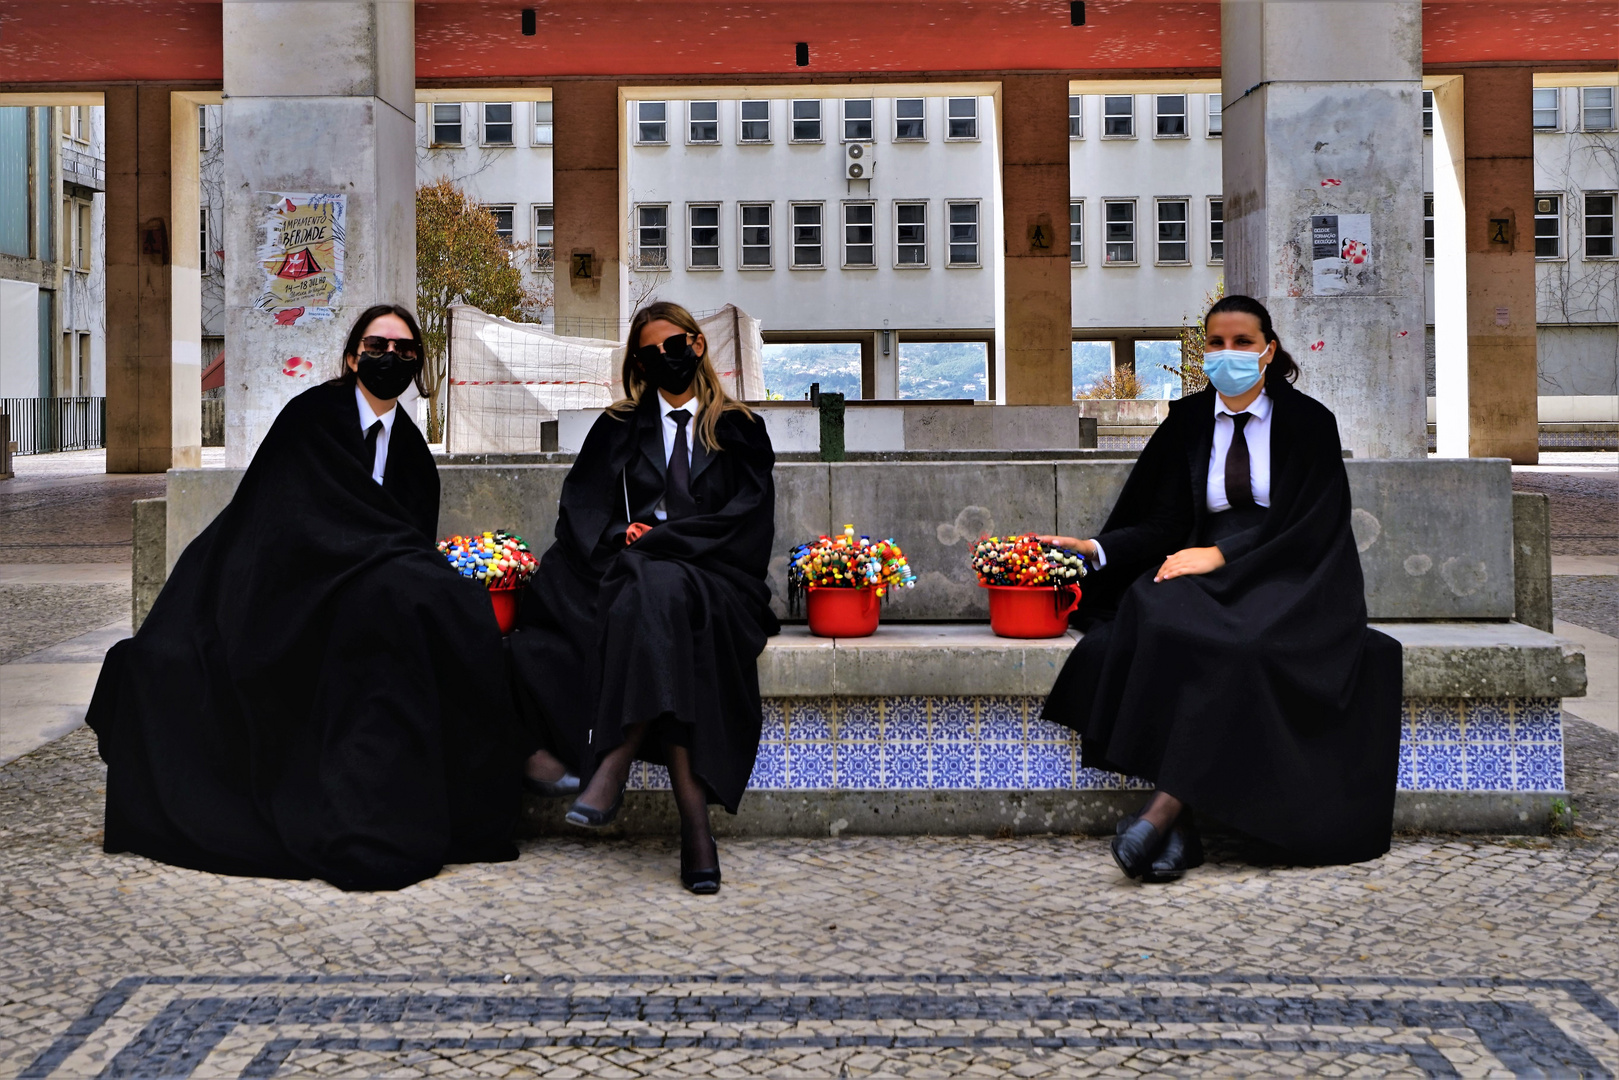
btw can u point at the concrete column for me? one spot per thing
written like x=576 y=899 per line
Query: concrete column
x=1499 y=195
x=1314 y=128
x=154 y=330
x=591 y=229
x=319 y=99
x=1038 y=278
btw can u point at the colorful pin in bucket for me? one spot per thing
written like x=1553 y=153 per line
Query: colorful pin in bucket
x=1033 y=587
x=843 y=580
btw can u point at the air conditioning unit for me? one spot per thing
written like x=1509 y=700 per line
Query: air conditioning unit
x=858 y=161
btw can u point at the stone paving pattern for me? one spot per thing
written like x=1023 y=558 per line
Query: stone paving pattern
x=1584 y=504
x=1587 y=600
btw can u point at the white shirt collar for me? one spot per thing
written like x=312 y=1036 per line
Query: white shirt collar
x=1259 y=407
x=367 y=417
x=664 y=408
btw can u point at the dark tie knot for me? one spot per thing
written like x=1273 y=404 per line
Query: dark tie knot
x=1241 y=418
x=679 y=416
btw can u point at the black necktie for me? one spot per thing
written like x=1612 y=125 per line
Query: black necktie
x=677 y=484
x=1239 y=486
x=371 y=434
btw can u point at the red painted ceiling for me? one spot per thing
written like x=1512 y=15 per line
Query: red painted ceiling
x=98 y=41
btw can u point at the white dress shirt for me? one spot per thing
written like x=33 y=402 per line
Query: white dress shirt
x=1257 y=434
x=669 y=427
x=367 y=418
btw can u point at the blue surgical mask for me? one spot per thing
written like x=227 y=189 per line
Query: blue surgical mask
x=1233 y=371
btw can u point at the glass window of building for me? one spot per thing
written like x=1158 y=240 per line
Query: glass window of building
x=963 y=221
x=703 y=121
x=1076 y=117
x=910 y=234
x=857 y=120
x=1118 y=116
x=202 y=241
x=807 y=235
x=544 y=123
x=503 y=221
x=84 y=235
x=1545 y=108
x=1427 y=227
x=705 y=237
x=1599 y=226
x=202 y=128
x=806 y=121
x=545 y=236
x=1548 y=227
x=859 y=234
x=1076 y=232
x=1596 y=108
x=1169 y=112
x=963 y=118
x=756 y=236
x=651 y=237
x=1172 y=231
x=1119 y=230
x=1216 y=230
x=1216 y=124
x=497 y=124
x=755 y=122
x=447 y=124
x=652 y=122
x=910 y=119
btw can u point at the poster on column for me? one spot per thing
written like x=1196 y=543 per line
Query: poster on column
x=1340 y=252
x=301 y=252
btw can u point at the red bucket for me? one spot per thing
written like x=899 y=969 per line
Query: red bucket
x=1031 y=611
x=835 y=612
x=504 y=601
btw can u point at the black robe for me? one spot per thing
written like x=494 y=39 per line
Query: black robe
x=667 y=630
x=316 y=693
x=1256 y=694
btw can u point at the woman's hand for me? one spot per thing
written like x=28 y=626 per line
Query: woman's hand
x=635 y=532
x=1084 y=547
x=1190 y=561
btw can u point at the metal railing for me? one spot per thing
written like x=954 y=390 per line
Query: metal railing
x=44 y=425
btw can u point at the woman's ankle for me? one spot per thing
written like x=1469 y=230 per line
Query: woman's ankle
x=543 y=765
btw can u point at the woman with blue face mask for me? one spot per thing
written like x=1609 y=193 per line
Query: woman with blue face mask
x=1226 y=655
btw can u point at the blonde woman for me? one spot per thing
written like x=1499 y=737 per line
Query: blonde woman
x=643 y=626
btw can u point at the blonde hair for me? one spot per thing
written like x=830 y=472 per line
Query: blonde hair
x=712 y=400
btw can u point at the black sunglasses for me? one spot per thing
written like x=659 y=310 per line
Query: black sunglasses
x=649 y=352
x=407 y=348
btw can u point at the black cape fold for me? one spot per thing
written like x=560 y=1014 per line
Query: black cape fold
x=1257 y=693
x=668 y=630
x=315 y=693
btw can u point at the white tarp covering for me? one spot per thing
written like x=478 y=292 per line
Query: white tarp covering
x=507 y=378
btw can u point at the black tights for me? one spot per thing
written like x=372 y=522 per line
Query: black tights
x=691 y=798
x=1162 y=810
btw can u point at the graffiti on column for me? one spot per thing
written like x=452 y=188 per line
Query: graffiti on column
x=301 y=252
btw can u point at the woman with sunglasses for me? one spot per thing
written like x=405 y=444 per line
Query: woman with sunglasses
x=645 y=621
x=308 y=696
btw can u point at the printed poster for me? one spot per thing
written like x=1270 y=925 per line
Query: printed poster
x=1340 y=252
x=301 y=251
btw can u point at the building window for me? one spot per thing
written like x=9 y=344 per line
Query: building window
x=1169 y=111
x=704 y=253
x=1427 y=227
x=544 y=124
x=1076 y=232
x=1076 y=117
x=1119 y=230
x=963 y=220
x=447 y=124
x=807 y=235
x=1596 y=108
x=651 y=236
x=503 y=216
x=756 y=236
x=702 y=121
x=497 y=124
x=910 y=119
x=859 y=234
x=1548 y=227
x=85 y=235
x=806 y=121
x=202 y=127
x=1599 y=226
x=910 y=234
x=857 y=120
x=1427 y=112
x=545 y=236
x=83 y=388
x=1172 y=244
x=1216 y=230
x=963 y=118
x=1216 y=118
x=202 y=245
x=1118 y=117
x=755 y=122
x=1545 y=108
x=652 y=122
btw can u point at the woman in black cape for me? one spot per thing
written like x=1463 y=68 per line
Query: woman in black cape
x=643 y=626
x=1227 y=657
x=305 y=697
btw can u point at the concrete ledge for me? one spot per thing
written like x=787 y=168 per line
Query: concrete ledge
x=1487 y=660
x=991 y=813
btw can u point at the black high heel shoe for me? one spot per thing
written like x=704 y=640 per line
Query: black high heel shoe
x=568 y=784
x=588 y=817
x=1135 y=847
x=1183 y=850
x=701 y=882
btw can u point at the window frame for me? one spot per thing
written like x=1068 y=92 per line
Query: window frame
x=1429 y=233
x=1427 y=112
x=1209 y=222
x=1585 y=220
x=1131 y=98
x=843 y=218
x=84 y=239
x=1556 y=109
x=496 y=209
x=202 y=127
x=1072 y=205
x=793 y=120
x=1076 y=117
x=846 y=120
x=434 y=124
x=641 y=124
x=83 y=362
x=950 y=245
x=820 y=234
x=545 y=255
x=692 y=122
x=950 y=120
x=691 y=238
x=1158 y=223
x=547 y=122
x=742 y=122
x=922 y=120
x=640 y=226
x=1611 y=108
x=1556 y=215
x=742 y=244
x=510 y=122
x=1158 y=116
x=1214 y=116
x=896 y=223
x=1135 y=236
x=202 y=239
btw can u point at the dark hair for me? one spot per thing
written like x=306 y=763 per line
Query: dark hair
x=1282 y=366
x=351 y=347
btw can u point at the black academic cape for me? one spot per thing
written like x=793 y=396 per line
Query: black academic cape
x=1256 y=694
x=667 y=630
x=315 y=693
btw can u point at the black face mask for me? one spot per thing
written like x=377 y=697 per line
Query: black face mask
x=671 y=368
x=387 y=375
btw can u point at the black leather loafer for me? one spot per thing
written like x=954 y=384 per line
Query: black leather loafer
x=1135 y=848
x=588 y=817
x=701 y=882
x=553 y=789
x=1182 y=851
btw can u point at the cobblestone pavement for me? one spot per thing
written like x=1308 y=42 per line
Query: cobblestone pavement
x=1587 y=600
x=1584 y=495
x=860 y=956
